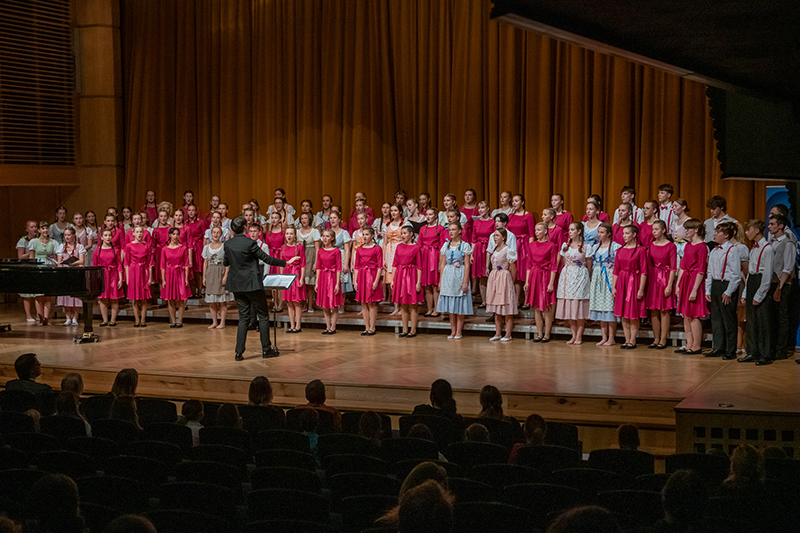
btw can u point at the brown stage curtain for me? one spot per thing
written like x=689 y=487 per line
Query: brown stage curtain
x=238 y=97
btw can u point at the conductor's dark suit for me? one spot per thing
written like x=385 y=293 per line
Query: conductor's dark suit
x=245 y=282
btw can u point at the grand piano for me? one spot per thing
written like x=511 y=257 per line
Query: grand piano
x=33 y=277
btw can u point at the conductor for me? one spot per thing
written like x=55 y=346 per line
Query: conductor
x=243 y=278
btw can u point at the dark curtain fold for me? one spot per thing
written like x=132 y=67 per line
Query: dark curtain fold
x=238 y=97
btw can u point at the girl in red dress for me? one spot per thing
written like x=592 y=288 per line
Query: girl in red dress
x=361 y=207
x=554 y=233
x=275 y=237
x=602 y=216
x=296 y=294
x=150 y=205
x=136 y=220
x=329 y=280
x=117 y=233
x=407 y=282
x=625 y=220
x=175 y=267
x=431 y=239
x=521 y=223
x=540 y=283
x=470 y=209
x=138 y=261
x=563 y=218
x=188 y=199
x=630 y=279
x=690 y=286
x=367 y=271
x=196 y=229
x=109 y=257
x=483 y=227
x=650 y=211
x=126 y=221
x=662 y=259
x=160 y=240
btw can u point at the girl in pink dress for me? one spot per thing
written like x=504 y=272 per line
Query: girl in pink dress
x=160 y=240
x=501 y=296
x=540 y=284
x=136 y=220
x=296 y=294
x=470 y=209
x=367 y=271
x=431 y=239
x=150 y=205
x=521 y=223
x=602 y=216
x=482 y=229
x=175 y=267
x=118 y=234
x=563 y=218
x=329 y=280
x=662 y=258
x=196 y=229
x=138 y=261
x=691 y=276
x=554 y=233
x=109 y=257
x=625 y=220
x=126 y=223
x=391 y=239
x=572 y=294
x=630 y=279
x=407 y=282
x=361 y=207
x=70 y=248
x=650 y=210
x=275 y=237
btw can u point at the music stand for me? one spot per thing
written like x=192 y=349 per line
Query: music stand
x=278 y=282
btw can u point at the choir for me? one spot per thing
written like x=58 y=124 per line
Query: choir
x=650 y=262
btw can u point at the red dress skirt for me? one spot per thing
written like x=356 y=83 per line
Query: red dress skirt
x=329 y=265
x=139 y=261
x=662 y=261
x=404 y=284
x=630 y=264
x=297 y=292
x=369 y=262
x=111 y=261
x=175 y=261
x=694 y=263
x=430 y=242
x=481 y=233
x=543 y=261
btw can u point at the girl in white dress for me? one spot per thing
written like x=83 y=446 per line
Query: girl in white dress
x=311 y=239
x=505 y=204
x=32 y=229
x=501 y=297
x=43 y=248
x=217 y=297
x=216 y=222
x=316 y=222
x=380 y=222
x=601 y=296
x=572 y=295
x=70 y=248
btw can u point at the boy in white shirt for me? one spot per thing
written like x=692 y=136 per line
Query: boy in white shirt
x=758 y=296
x=783 y=269
x=665 y=192
x=722 y=291
x=627 y=195
x=719 y=214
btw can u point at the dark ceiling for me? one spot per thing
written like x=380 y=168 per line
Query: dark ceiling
x=753 y=44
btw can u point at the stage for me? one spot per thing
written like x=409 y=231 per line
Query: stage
x=596 y=388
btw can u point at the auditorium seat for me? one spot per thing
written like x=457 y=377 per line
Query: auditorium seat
x=561 y=434
x=713 y=469
x=148 y=471
x=404 y=448
x=220 y=453
x=344 y=443
x=542 y=499
x=630 y=463
x=403 y=468
x=443 y=429
x=19 y=401
x=176 y=434
x=12 y=509
x=589 y=481
x=13 y=422
x=238 y=438
x=285 y=526
x=469 y=454
x=96 y=517
x=503 y=474
x=11 y=458
x=257 y=418
x=16 y=483
x=120 y=431
x=487 y=517
x=72 y=464
x=198 y=497
x=212 y=473
x=353 y=463
x=97 y=448
x=360 y=484
x=33 y=443
x=181 y=521
x=281 y=477
x=97 y=407
x=787 y=470
x=361 y=512
x=650 y=482
x=326 y=421
x=154 y=410
x=639 y=508
x=286 y=504
x=469 y=490
x=128 y=495
x=281 y=439
x=501 y=432
x=288 y=458
x=352 y=419
x=548 y=458
x=165 y=452
x=63 y=427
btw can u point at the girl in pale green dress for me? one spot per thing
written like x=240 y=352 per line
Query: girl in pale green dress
x=43 y=248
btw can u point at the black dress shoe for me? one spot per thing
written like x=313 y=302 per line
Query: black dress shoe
x=491 y=318
x=729 y=356
x=763 y=362
x=714 y=353
x=749 y=359
x=239 y=357
x=269 y=352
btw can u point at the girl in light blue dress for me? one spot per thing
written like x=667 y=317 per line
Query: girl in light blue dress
x=455 y=291
x=601 y=297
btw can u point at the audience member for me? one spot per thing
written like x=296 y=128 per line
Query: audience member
x=773 y=452
x=476 y=433
x=628 y=437
x=28 y=368
x=442 y=402
x=427 y=508
x=535 y=431
x=685 y=500
x=192 y=414
x=9 y=526
x=260 y=392
x=125 y=383
x=130 y=523
x=72 y=382
x=309 y=424
x=315 y=394
x=421 y=431
x=228 y=416
x=68 y=405
x=124 y=408
x=492 y=407
x=370 y=426
x=719 y=452
x=267 y=416
x=53 y=506
x=747 y=470
x=589 y=519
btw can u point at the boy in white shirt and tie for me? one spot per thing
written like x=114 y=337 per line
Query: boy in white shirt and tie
x=757 y=295
x=722 y=291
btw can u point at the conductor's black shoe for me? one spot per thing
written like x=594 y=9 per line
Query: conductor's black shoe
x=269 y=352
x=763 y=362
x=729 y=356
x=749 y=359
x=714 y=353
x=239 y=357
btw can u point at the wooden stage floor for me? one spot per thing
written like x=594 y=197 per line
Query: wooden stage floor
x=597 y=388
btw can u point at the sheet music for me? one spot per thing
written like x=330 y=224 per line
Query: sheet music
x=282 y=281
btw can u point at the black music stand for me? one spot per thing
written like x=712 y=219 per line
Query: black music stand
x=277 y=282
